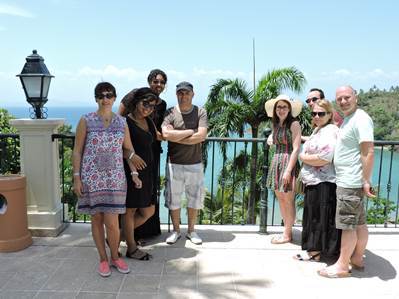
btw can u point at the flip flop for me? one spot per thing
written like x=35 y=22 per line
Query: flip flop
x=279 y=240
x=356 y=267
x=310 y=258
x=330 y=274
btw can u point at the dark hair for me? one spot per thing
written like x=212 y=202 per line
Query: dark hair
x=104 y=86
x=154 y=73
x=320 y=92
x=288 y=121
x=141 y=94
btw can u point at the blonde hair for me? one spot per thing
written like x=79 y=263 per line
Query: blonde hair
x=326 y=105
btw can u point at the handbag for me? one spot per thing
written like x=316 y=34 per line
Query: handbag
x=299 y=185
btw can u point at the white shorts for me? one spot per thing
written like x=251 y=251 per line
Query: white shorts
x=188 y=179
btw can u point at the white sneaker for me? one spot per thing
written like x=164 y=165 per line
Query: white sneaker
x=194 y=238
x=172 y=239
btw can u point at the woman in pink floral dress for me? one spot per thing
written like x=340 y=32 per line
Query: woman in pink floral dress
x=102 y=139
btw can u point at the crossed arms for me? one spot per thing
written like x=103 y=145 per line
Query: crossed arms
x=187 y=136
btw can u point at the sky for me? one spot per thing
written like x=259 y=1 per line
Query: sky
x=84 y=42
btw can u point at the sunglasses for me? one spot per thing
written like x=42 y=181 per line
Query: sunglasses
x=320 y=114
x=314 y=99
x=147 y=105
x=162 y=82
x=282 y=107
x=108 y=95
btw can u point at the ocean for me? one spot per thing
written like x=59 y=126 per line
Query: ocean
x=73 y=114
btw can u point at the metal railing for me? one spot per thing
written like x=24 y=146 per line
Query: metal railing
x=227 y=196
x=384 y=208
x=228 y=178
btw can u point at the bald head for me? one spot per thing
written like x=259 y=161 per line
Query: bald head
x=346 y=99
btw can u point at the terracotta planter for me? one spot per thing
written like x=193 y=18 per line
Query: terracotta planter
x=14 y=233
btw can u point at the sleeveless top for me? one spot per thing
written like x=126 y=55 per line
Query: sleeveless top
x=282 y=138
x=102 y=173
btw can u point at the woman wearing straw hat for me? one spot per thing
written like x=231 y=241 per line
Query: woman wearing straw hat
x=284 y=167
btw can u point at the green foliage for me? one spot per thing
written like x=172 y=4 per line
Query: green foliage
x=9 y=148
x=5 y=118
x=379 y=210
x=383 y=107
x=305 y=119
x=232 y=107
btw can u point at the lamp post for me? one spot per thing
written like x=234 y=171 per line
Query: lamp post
x=35 y=79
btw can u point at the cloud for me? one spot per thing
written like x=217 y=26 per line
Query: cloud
x=376 y=73
x=14 y=10
x=219 y=73
x=110 y=71
x=342 y=72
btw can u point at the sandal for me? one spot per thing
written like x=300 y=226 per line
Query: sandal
x=138 y=255
x=310 y=258
x=140 y=242
x=328 y=273
x=279 y=240
x=119 y=253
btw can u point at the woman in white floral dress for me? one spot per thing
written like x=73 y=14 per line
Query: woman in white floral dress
x=102 y=139
x=319 y=234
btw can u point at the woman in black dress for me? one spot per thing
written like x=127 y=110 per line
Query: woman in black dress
x=140 y=204
x=157 y=80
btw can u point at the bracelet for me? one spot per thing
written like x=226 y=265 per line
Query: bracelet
x=131 y=155
x=76 y=174
x=134 y=173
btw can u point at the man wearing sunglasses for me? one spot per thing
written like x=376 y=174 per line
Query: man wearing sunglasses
x=185 y=128
x=314 y=95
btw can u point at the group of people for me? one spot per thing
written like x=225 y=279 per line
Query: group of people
x=116 y=161
x=337 y=161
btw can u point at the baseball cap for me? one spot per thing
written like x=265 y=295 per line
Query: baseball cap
x=184 y=86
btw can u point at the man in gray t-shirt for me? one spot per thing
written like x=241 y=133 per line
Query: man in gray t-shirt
x=185 y=128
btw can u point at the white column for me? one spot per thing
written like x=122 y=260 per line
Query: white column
x=40 y=165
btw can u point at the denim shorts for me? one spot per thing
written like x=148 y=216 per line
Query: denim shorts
x=350 y=208
x=187 y=179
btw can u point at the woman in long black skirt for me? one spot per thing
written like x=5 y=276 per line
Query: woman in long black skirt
x=319 y=235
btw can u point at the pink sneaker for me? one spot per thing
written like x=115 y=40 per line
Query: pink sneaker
x=120 y=265
x=103 y=269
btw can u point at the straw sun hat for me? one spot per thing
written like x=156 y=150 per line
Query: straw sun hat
x=296 y=105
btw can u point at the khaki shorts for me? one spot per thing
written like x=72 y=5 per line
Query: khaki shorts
x=350 y=208
x=187 y=179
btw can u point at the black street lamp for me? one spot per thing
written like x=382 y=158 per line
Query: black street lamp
x=35 y=79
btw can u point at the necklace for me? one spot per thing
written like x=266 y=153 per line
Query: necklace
x=106 y=118
x=142 y=123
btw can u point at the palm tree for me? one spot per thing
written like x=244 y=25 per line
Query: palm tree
x=232 y=106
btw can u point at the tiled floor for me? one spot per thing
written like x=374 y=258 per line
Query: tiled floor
x=233 y=262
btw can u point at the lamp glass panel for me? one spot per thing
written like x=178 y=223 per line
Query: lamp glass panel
x=32 y=85
x=46 y=86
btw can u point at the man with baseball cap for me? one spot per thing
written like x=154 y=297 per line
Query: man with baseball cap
x=185 y=128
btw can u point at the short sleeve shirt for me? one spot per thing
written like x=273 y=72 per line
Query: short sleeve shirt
x=322 y=143
x=185 y=154
x=356 y=128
